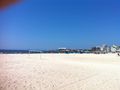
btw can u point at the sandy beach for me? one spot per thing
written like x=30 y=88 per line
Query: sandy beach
x=59 y=72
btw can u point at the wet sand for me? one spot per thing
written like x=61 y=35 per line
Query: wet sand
x=59 y=72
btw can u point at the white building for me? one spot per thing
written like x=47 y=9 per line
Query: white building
x=105 y=49
x=114 y=48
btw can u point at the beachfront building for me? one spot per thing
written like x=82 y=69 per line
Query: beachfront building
x=101 y=49
x=118 y=49
x=114 y=48
x=105 y=49
x=34 y=51
x=96 y=50
x=63 y=50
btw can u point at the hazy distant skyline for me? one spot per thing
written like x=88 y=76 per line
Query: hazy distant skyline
x=50 y=24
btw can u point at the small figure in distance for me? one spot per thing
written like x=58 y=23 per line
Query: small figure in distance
x=118 y=54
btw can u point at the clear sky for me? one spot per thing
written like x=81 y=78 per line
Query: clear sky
x=50 y=24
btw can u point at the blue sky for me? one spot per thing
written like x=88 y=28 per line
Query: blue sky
x=50 y=24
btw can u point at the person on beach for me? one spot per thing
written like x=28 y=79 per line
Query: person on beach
x=118 y=54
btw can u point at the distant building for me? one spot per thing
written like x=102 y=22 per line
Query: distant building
x=101 y=49
x=118 y=49
x=35 y=51
x=96 y=50
x=63 y=50
x=105 y=49
x=114 y=48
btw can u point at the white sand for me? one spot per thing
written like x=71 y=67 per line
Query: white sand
x=59 y=72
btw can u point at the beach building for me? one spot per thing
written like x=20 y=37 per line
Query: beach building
x=105 y=49
x=114 y=48
x=96 y=50
x=118 y=49
x=63 y=50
